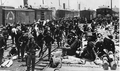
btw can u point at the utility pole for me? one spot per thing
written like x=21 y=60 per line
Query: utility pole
x=111 y=4
x=1 y=2
x=59 y=3
x=43 y=2
x=78 y=4
x=111 y=9
x=68 y=4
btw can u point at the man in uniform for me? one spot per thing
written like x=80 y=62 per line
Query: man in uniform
x=23 y=40
x=48 y=40
x=108 y=58
x=31 y=48
x=17 y=36
x=6 y=35
x=2 y=44
x=58 y=35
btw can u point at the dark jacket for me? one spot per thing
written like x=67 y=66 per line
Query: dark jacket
x=2 y=42
x=48 y=39
x=109 y=45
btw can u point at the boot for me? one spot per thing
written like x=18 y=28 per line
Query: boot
x=113 y=65
x=105 y=65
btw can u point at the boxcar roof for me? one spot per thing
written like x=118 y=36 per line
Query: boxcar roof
x=18 y=9
x=7 y=7
x=42 y=9
x=103 y=8
x=68 y=10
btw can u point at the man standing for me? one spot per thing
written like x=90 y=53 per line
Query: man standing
x=23 y=40
x=2 y=44
x=31 y=48
x=48 y=40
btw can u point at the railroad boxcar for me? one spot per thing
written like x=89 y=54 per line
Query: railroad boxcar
x=1 y=13
x=76 y=13
x=47 y=14
x=66 y=13
x=26 y=16
x=103 y=11
x=63 y=13
x=42 y=14
x=60 y=13
x=9 y=16
x=87 y=15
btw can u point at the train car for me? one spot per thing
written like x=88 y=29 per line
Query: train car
x=47 y=14
x=60 y=14
x=87 y=15
x=66 y=13
x=1 y=13
x=21 y=15
x=26 y=16
x=8 y=16
x=103 y=11
x=76 y=13
x=42 y=14
x=63 y=13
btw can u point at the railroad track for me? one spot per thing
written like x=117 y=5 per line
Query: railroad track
x=41 y=63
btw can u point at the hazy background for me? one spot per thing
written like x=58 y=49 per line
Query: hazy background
x=84 y=4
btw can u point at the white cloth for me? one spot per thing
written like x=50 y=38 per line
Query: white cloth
x=44 y=23
x=7 y=63
x=57 y=53
x=72 y=60
x=14 y=30
x=9 y=37
x=10 y=63
x=14 y=57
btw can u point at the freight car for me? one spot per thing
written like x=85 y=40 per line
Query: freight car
x=28 y=15
x=66 y=13
x=42 y=14
x=14 y=15
x=1 y=13
x=87 y=15
x=103 y=12
x=23 y=15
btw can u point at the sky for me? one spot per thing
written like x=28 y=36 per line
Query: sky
x=73 y=4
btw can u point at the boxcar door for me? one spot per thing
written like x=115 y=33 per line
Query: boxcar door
x=42 y=15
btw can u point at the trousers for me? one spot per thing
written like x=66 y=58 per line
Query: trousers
x=30 y=61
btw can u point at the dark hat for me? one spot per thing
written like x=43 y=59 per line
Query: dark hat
x=110 y=36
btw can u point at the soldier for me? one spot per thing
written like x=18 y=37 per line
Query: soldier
x=17 y=36
x=40 y=42
x=2 y=44
x=23 y=41
x=99 y=46
x=58 y=35
x=13 y=33
x=6 y=35
x=108 y=58
x=31 y=48
x=48 y=40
